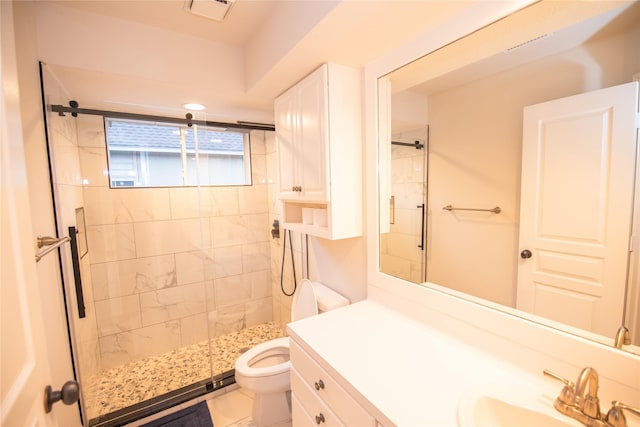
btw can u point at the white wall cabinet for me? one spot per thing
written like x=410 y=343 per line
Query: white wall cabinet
x=301 y=118
x=317 y=399
x=319 y=137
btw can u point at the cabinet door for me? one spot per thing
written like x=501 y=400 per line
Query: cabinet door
x=285 y=116
x=312 y=136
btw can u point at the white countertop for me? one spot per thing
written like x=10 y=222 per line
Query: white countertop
x=400 y=370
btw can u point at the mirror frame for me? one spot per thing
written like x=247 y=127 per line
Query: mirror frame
x=454 y=303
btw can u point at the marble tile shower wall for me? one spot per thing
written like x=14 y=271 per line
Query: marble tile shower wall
x=154 y=289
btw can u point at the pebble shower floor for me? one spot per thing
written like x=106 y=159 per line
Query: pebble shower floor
x=144 y=379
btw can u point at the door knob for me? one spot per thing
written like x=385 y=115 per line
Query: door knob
x=69 y=395
x=525 y=254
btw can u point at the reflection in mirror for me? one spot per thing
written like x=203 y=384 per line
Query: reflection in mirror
x=540 y=121
x=402 y=248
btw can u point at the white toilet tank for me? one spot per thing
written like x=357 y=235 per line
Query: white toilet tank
x=328 y=299
x=312 y=298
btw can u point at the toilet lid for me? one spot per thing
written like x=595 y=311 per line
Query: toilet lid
x=304 y=302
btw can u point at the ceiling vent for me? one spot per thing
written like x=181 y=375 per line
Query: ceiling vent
x=212 y=9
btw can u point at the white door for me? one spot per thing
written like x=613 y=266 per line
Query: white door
x=24 y=360
x=578 y=168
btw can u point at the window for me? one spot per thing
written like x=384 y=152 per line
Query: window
x=156 y=154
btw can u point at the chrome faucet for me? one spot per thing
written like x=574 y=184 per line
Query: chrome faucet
x=622 y=337
x=580 y=401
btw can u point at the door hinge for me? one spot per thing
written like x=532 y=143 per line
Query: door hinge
x=633 y=243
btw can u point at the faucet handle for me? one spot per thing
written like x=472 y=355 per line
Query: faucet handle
x=568 y=393
x=591 y=407
x=616 y=417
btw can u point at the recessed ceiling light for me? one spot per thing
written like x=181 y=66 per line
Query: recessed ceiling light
x=195 y=107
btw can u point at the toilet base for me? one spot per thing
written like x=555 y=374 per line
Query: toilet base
x=271 y=408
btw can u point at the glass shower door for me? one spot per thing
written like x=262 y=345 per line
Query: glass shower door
x=143 y=297
x=403 y=249
x=237 y=218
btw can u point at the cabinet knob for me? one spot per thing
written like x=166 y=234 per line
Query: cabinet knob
x=319 y=385
x=319 y=418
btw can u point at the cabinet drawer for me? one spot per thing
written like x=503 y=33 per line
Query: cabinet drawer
x=314 y=411
x=326 y=388
x=299 y=416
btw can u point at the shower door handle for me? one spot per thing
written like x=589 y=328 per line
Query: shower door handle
x=392 y=210
x=421 y=207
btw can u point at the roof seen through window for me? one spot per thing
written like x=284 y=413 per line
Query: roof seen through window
x=159 y=137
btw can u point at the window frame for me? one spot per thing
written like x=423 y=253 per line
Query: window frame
x=185 y=152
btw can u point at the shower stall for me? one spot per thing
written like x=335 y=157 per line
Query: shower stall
x=403 y=249
x=165 y=284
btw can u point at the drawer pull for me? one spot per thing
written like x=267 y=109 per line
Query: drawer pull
x=319 y=385
x=319 y=418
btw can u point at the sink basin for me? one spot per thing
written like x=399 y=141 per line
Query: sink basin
x=510 y=405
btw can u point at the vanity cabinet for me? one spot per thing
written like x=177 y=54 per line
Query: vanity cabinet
x=319 y=140
x=317 y=399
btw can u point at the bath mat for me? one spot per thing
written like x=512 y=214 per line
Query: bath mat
x=193 y=416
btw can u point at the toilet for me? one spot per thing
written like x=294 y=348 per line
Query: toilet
x=264 y=369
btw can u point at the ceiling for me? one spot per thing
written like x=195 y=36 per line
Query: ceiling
x=243 y=18
x=279 y=42
x=604 y=24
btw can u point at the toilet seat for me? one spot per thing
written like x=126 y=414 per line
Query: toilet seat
x=279 y=346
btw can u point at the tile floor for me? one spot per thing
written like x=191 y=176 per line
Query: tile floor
x=230 y=407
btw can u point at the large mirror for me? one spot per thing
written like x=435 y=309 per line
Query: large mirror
x=508 y=168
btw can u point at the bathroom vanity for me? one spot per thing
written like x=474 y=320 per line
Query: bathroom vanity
x=371 y=373
x=373 y=364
